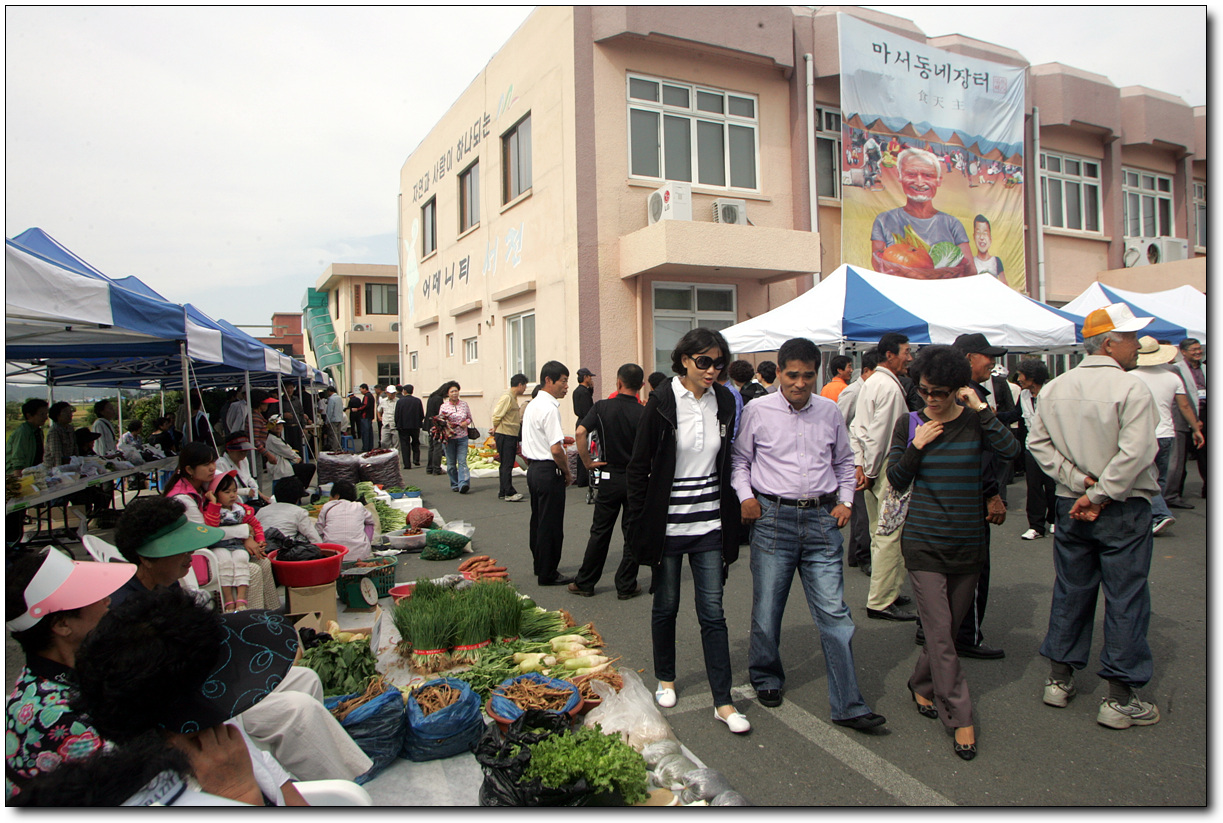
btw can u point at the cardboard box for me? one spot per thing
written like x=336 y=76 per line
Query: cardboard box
x=316 y=621
x=321 y=599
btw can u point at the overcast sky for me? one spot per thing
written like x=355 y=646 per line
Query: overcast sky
x=226 y=156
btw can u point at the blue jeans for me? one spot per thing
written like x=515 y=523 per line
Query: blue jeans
x=787 y=539
x=456 y=461
x=1114 y=551
x=367 y=433
x=707 y=581
x=1159 y=508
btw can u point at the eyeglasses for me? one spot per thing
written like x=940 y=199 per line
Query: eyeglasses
x=934 y=394
x=704 y=361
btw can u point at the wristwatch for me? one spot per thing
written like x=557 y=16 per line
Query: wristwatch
x=847 y=504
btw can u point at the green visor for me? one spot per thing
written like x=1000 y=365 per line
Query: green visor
x=180 y=537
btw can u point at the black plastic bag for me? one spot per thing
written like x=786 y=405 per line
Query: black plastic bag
x=448 y=731
x=298 y=551
x=376 y=727
x=504 y=760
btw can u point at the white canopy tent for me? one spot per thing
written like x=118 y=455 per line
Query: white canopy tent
x=1184 y=306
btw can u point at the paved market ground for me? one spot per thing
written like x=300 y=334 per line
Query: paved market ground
x=1029 y=754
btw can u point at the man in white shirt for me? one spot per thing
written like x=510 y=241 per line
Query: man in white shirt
x=858 y=552
x=1168 y=390
x=543 y=445
x=881 y=402
x=106 y=413
x=386 y=418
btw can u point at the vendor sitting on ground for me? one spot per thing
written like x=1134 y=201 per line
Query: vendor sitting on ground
x=233 y=554
x=289 y=462
x=52 y=602
x=289 y=519
x=345 y=521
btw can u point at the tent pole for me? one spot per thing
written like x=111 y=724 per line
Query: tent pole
x=250 y=432
x=163 y=401
x=120 y=409
x=182 y=353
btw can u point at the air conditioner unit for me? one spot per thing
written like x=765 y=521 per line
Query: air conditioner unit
x=394 y=327
x=363 y=327
x=726 y=210
x=672 y=202
x=1146 y=251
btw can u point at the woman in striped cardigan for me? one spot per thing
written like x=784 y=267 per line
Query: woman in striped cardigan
x=938 y=454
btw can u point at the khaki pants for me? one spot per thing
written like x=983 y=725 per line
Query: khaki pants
x=887 y=566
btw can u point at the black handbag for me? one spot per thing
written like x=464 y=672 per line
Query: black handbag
x=473 y=433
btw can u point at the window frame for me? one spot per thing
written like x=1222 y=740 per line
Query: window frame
x=516 y=362
x=1059 y=177
x=469 y=197
x=696 y=315
x=1199 y=212
x=428 y=234
x=393 y=374
x=450 y=344
x=694 y=116
x=413 y=361
x=827 y=134
x=471 y=349
x=511 y=172
x=392 y=304
x=1157 y=196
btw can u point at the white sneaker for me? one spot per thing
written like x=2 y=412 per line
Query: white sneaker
x=665 y=697
x=513 y=498
x=737 y=722
x=1057 y=693
x=1162 y=524
x=1031 y=534
x=1134 y=713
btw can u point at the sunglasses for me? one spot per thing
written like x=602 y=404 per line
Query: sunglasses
x=934 y=394
x=704 y=361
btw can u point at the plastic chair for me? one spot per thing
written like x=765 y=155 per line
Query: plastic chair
x=204 y=568
x=101 y=551
x=333 y=793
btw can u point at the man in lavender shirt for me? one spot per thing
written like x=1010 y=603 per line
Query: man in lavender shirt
x=793 y=470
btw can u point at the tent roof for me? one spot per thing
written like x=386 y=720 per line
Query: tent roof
x=1178 y=313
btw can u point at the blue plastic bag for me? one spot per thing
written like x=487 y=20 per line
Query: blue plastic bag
x=448 y=731
x=504 y=707
x=376 y=727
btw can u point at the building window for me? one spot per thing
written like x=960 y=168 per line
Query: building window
x=471 y=350
x=516 y=160
x=413 y=361
x=469 y=197
x=450 y=345
x=1148 y=203
x=388 y=369
x=381 y=298
x=520 y=345
x=1199 y=210
x=682 y=307
x=1070 y=188
x=828 y=152
x=428 y=216
x=694 y=134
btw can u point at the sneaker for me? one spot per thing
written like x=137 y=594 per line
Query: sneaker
x=513 y=498
x=1162 y=524
x=1135 y=713
x=1057 y=693
x=1031 y=534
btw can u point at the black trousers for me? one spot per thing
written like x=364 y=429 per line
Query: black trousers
x=1042 y=495
x=859 y=550
x=547 y=487
x=293 y=436
x=613 y=494
x=435 y=454
x=507 y=453
x=409 y=438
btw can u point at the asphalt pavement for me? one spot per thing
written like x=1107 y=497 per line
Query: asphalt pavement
x=1029 y=754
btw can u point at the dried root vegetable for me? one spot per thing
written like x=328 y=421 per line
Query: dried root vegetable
x=376 y=687
x=436 y=697
x=528 y=694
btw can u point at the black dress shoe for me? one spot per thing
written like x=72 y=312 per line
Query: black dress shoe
x=981 y=652
x=629 y=595
x=574 y=589
x=920 y=637
x=862 y=722
x=769 y=697
x=557 y=581
x=923 y=709
x=903 y=600
x=966 y=751
x=890 y=613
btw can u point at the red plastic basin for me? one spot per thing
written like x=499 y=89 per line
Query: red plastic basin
x=310 y=572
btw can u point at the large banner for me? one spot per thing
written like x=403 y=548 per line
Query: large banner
x=932 y=174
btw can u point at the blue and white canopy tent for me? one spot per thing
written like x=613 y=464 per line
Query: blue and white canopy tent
x=853 y=308
x=1178 y=313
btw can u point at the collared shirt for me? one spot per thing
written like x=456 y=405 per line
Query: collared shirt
x=386 y=408
x=833 y=388
x=847 y=401
x=24 y=448
x=507 y=415
x=106 y=443
x=881 y=402
x=335 y=409
x=698 y=436
x=458 y=417
x=541 y=427
x=793 y=454
x=61 y=445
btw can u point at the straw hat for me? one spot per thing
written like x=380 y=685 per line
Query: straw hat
x=1152 y=353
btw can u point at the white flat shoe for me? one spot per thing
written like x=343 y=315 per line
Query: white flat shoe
x=665 y=697
x=737 y=722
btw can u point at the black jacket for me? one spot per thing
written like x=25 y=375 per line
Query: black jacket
x=652 y=471
x=409 y=413
x=583 y=401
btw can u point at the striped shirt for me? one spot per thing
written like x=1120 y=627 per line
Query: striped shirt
x=945 y=529
x=694 y=509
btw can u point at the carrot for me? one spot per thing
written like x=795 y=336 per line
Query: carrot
x=471 y=561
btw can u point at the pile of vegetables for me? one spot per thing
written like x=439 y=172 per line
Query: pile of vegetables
x=608 y=764
x=478 y=459
x=389 y=517
x=911 y=251
x=482 y=567
x=443 y=545
x=344 y=667
x=435 y=696
x=420 y=518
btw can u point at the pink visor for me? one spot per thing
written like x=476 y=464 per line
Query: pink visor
x=218 y=477
x=62 y=583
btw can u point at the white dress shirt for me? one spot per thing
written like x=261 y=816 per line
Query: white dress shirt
x=698 y=437
x=541 y=427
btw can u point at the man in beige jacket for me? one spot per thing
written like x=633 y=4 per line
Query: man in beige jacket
x=507 y=431
x=1094 y=434
x=881 y=402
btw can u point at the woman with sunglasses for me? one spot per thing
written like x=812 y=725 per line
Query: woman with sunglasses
x=937 y=453
x=680 y=503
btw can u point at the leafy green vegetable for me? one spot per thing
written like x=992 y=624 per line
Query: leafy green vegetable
x=609 y=764
x=343 y=668
x=946 y=254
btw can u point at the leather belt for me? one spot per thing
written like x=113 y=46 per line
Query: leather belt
x=829 y=499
